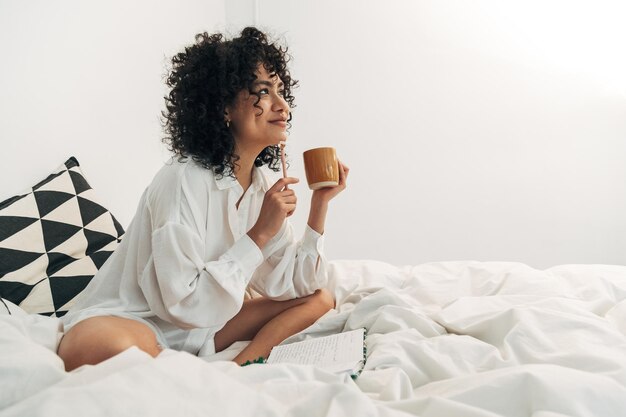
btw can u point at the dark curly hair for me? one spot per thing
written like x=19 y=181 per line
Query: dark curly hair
x=204 y=79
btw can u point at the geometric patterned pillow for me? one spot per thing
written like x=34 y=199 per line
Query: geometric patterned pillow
x=53 y=239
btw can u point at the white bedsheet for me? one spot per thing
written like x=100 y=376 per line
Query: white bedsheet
x=444 y=339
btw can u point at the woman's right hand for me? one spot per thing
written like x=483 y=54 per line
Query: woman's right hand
x=278 y=204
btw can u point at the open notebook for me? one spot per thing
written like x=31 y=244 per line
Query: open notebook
x=338 y=353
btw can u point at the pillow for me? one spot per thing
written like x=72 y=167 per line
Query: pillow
x=7 y=308
x=53 y=239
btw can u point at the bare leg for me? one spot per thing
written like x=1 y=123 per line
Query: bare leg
x=268 y=322
x=96 y=339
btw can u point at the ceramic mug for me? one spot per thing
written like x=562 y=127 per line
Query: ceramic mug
x=321 y=168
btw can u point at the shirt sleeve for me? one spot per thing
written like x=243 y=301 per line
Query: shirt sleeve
x=189 y=292
x=291 y=268
x=179 y=284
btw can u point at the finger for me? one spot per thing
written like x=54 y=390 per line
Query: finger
x=279 y=197
x=289 y=208
x=286 y=193
x=282 y=183
x=290 y=199
x=285 y=198
x=343 y=174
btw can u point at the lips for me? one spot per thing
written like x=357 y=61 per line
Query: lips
x=279 y=122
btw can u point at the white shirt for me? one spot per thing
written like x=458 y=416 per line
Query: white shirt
x=186 y=258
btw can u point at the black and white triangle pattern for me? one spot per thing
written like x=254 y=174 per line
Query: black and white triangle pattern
x=53 y=239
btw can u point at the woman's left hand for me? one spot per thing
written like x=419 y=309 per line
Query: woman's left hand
x=328 y=193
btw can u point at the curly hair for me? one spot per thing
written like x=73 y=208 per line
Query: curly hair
x=204 y=79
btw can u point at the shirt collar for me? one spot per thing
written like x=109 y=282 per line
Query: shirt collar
x=226 y=181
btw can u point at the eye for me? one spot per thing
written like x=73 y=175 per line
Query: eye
x=264 y=91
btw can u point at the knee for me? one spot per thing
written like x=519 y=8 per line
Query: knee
x=79 y=347
x=97 y=339
x=323 y=300
x=142 y=338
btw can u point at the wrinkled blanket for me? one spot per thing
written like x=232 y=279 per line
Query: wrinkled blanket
x=444 y=339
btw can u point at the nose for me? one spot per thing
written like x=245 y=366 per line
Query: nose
x=280 y=105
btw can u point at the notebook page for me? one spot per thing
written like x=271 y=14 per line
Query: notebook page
x=339 y=352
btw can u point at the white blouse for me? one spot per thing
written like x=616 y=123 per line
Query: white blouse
x=186 y=258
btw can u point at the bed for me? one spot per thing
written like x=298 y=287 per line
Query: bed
x=459 y=338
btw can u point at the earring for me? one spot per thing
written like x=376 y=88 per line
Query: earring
x=227 y=123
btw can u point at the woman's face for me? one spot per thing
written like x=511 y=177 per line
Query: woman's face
x=265 y=124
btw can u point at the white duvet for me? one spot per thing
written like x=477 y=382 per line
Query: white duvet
x=444 y=339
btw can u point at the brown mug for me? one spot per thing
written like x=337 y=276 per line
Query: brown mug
x=321 y=168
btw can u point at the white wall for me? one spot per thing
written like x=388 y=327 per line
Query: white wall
x=480 y=130
x=85 y=78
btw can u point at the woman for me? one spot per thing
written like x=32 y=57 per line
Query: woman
x=210 y=224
